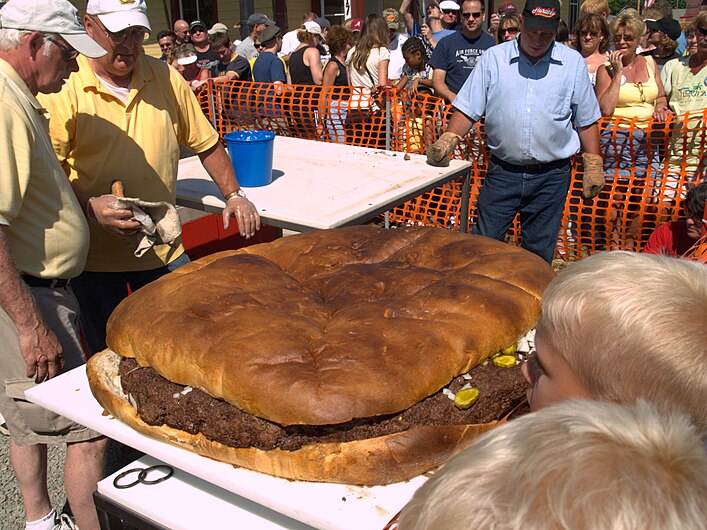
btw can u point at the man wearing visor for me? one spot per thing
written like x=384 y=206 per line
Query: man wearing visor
x=123 y=116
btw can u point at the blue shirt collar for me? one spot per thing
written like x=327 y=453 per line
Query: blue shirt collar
x=552 y=55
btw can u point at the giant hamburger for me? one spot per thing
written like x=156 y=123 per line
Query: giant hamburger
x=324 y=356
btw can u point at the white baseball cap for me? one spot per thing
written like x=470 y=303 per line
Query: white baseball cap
x=312 y=27
x=449 y=5
x=218 y=28
x=117 y=15
x=50 y=16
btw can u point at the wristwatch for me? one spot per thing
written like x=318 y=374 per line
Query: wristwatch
x=238 y=193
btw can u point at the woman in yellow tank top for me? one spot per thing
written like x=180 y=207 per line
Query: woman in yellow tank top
x=629 y=89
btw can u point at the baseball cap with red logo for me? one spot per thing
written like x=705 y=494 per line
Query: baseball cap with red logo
x=507 y=8
x=543 y=15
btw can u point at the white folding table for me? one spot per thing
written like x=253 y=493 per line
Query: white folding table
x=270 y=500
x=318 y=185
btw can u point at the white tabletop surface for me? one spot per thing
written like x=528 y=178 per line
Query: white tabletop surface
x=172 y=503
x=326 y=506
x=320 y=185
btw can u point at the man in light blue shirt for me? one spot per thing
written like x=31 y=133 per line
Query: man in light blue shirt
x=540 y=109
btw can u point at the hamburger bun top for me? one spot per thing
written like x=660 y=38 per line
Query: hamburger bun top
x=332 y=325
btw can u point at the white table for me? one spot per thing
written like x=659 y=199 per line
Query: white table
x=319 y=185
x=183 y=502
x=326 y=506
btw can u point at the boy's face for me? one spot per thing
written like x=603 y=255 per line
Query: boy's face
x=550 y=377
x=693 y=226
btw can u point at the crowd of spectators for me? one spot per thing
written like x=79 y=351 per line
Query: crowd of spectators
x=633 y=61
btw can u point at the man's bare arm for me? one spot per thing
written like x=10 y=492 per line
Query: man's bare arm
x=440 y=86
x=220 y=169
x=40 y=348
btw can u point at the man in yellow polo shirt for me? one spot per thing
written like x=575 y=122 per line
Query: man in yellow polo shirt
x=123 y=116
x=43 y=245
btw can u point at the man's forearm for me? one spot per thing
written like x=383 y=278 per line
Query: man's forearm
x=15 y=298
x=459 y=124
x=438 y=77
x=219 y=167
x=589 y=138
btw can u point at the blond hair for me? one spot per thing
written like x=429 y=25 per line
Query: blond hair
x=631 y=20
x=579 y=464
x=633 y=326
x=597 y=7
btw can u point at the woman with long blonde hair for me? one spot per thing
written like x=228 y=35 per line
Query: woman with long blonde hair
x=368 y=71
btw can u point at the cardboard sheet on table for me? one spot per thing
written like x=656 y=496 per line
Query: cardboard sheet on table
x=326 y=506
x=318 y=185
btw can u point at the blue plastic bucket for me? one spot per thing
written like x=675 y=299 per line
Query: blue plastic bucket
x=251 y=154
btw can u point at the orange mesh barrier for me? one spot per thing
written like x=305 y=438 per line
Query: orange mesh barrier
x=648 y=166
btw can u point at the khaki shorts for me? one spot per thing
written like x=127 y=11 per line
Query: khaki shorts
x=30 y=424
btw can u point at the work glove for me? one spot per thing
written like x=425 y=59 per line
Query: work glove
x=593 y=180
x=438 y=153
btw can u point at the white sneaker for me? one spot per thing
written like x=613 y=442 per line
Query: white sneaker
x=64 y=522
x=3 y=427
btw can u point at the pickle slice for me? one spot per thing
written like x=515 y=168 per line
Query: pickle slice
x=466 y=398
x=510 y=350
x=505 y=361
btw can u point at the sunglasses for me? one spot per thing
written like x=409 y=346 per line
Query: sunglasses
x=701 y=31
x=475 y=15
x=67 y=54
x=592 y=34
x=509 y=30
x=625 y=38
x=198 y=30
x=449 y=11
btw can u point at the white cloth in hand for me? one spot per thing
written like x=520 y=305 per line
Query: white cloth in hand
x=159 y=220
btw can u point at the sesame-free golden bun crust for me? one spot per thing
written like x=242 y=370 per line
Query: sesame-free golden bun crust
x=381 y=460
x=332 y=325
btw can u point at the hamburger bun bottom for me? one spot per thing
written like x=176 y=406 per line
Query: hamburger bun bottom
x=381 y=460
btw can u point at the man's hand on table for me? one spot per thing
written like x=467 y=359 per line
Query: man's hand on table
x=245 y=214
x=105 y=211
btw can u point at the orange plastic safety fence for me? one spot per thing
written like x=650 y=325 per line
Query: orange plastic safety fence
x=648 y=166
x=329 y=114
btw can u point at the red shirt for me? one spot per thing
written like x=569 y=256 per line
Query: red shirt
x=669 y=239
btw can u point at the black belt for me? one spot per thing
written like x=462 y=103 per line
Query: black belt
x=33 y=281
x=530 y=168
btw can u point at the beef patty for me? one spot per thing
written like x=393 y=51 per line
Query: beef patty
x=159 y=401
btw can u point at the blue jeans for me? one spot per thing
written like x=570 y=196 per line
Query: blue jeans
x=99 y=293
x=538 y=196
x=336 y=119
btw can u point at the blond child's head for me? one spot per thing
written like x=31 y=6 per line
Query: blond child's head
x=620 y=326
x=579 y=464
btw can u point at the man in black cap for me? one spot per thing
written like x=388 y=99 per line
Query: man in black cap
x=268 y=67
x=540 y=109
x=663 y=34
x=205 y=57
x=257 y=22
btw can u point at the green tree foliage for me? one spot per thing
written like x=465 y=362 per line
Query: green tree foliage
x=618 y=5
